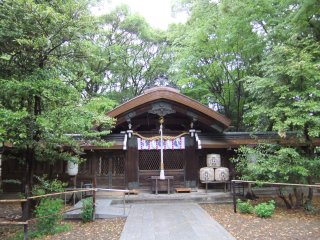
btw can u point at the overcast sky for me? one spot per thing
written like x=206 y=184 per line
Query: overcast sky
x=156 y=12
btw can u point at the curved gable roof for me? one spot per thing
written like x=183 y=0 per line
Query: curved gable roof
x=169 y=94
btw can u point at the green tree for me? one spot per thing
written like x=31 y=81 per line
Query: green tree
x=214 y=51
x=285 y=95
x=139 y=54
x=38 y=107
x=124 y=55
x=274 y=163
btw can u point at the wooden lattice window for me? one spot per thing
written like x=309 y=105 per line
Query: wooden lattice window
x=150 y=160
x=113 y=164
x=117 y=165
x=103 y=167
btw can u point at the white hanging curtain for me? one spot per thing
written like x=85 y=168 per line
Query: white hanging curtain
x=171 y=144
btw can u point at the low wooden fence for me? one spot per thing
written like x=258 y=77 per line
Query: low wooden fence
x=235 y=183
x=26 y=204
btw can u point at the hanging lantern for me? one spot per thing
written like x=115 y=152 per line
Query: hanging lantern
x=72 y=168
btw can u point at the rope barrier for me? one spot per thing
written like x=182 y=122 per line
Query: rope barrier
x=158 y=137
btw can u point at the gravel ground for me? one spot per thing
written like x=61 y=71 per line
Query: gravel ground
x=106 y=229
x=284 y=224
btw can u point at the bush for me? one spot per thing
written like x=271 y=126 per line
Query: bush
x=265 y=210
x=244 y=207
x=47 y=186
x=49 y=216
x=87 y=209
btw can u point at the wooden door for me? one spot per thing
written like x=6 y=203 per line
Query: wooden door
x=110 y=171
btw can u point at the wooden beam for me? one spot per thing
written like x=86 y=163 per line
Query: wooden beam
x=164 y=93
x=278 y=184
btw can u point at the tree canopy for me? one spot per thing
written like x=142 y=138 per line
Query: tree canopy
x=38 y=106
x=62 y=68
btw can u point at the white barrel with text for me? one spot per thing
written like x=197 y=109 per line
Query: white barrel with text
x=213 y=160
x=221 y=174
x=206 y=174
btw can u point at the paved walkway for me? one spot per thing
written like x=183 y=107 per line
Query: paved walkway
x=178 y=221
x=104 y=209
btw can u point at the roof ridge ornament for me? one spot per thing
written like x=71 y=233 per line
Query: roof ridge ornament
x=161 y=81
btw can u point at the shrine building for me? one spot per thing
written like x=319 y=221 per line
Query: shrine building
x=190 y=131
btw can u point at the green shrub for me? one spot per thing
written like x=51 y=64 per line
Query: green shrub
x=244 y=207
x=87 y=209
x=49 y=216
x=265 y=210
x=47 y=186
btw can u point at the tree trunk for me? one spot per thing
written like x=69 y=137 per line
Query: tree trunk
x=250 y=194
x=310 y=194
x=286 y=202
x=28 y=182
x=290 y=199
x=308 y=205
x=299 y=197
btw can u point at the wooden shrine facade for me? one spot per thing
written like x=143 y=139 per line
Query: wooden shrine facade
x=192 y=131
x=136 y=140
x=202 y=128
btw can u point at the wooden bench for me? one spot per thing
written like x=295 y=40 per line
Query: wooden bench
x=133 y=192
x=183 y=190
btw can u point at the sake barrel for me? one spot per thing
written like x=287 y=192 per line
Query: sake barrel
x=221 y=174
x=206 y=174
x=72 y=168
x=213 y=160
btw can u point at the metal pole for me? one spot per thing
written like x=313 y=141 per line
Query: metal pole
x=124 y=203
x=74 y=187
x=25 y=231
x=161 y=151
x=94 y=185
x=234 y=196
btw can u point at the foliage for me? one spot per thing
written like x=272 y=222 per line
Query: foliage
x=39 y=107
x=87 y=209
x=273 y=163
x=229 y=52
x=214 y=51
x=139 y=54
x=126 y=55
x=265 y=210
x=289 y=70
x=244 y=207
x=49 y=216
x=47 y=186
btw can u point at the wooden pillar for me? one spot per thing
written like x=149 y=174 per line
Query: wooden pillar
x=192 y=163
x=94 y=161
x=131 y=164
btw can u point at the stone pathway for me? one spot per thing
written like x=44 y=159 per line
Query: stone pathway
x=174 y=221
x=104 y=209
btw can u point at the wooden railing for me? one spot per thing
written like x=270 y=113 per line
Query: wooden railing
x=26 y=203
x=235 y=182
